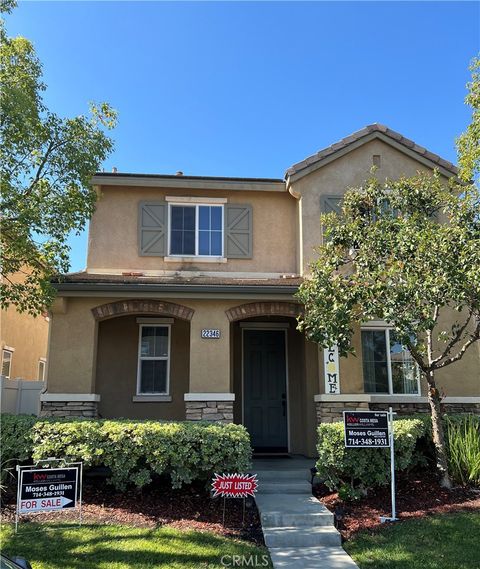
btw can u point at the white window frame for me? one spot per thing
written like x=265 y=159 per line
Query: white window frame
x=42 y=361
x=196 y=205
x=10 y=351
x=140 y=358
x=386 y=330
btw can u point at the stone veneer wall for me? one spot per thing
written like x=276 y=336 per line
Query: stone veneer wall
x=69 y=409
x=411 y=408
x=217 y=411
x=329 y=412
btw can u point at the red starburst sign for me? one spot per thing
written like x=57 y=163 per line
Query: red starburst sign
x=234 y=485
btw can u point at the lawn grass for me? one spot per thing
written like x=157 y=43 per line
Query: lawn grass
x=446 y=541
x=68 y=546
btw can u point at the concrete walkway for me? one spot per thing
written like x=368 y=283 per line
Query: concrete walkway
x=298 y=529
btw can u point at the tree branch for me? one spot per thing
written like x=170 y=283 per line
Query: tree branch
x=51 y=147
x=475 y=336
x=454 y=339
x=417 y=356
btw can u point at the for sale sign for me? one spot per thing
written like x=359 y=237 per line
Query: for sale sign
x=366 y=429
x=47 y=489
x=234 y=485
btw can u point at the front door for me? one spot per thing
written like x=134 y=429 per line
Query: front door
x=265 y=389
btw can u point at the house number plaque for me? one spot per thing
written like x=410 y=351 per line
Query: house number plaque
x=211 y=333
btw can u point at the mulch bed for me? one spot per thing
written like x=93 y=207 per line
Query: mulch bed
x=190 y=508
x=416 y=496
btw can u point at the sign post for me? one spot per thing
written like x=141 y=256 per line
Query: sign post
x=43 y=487
x=372 y=429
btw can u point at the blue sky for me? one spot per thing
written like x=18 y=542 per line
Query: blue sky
x=249 y=88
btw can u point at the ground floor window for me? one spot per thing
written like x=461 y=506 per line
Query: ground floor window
x=153 y=359
x=6 y=363
x=388 y=367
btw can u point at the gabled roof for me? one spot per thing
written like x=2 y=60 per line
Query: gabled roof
x=370 y=132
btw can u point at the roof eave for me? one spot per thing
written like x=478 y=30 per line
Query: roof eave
x=192 y=182
x=140 y=288
x=372 y=132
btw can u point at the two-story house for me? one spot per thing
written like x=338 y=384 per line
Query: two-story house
x=186 y=308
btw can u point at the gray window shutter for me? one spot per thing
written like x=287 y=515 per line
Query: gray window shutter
x=238 y=231
x=152 y=229
x=332 y=204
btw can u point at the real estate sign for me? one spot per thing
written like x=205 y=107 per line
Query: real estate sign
x=366 y=429
x=234 y=485
x=47 y=489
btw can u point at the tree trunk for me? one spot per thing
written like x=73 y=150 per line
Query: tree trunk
x=438 y=431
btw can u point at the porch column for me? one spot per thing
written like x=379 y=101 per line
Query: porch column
x=210 y=397
x=72 y=361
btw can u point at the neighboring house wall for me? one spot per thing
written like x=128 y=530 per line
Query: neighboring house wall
x=28 y=338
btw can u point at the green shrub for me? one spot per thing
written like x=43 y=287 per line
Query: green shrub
x=134 y=450
x=463 y=448
x=16 y=442
x=354 y=470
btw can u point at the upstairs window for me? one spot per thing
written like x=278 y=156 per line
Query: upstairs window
x=388 y=367
x=196 y=230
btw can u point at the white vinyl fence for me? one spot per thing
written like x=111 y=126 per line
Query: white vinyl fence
x=20 y=396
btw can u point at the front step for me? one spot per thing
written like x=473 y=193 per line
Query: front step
x=302 y=537
x=284 y=487
x=297 y=510
x=281 y=475
x=281 y=519
x=311 y=558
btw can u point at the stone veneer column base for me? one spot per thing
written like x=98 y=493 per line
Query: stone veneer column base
x=69 y=405
x=212 y=407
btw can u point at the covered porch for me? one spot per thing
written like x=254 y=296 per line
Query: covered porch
x=153 y=358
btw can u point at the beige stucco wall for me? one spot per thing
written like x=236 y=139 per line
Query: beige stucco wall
x=334 y=178
x=28 y=336
x=113 y=235
x=116 y=374
x=459 y=379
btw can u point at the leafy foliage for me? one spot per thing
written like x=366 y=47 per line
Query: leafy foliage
x=47 y=162
x=463 y=444
x=468 y=143
x=388 y=257
x=15 y=439
x=133 y=450
x=354 y=471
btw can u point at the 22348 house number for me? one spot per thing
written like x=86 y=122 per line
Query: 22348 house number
x=211 y=333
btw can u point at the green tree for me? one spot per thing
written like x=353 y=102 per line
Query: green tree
x=406 y=252
x=47 y=162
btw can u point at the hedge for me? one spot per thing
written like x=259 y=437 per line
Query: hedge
x=353 y=471
x=133 y=450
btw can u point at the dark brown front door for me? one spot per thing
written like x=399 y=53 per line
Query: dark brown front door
x=265 y=389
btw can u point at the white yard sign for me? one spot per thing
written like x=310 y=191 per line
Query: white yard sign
x=332 y=370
